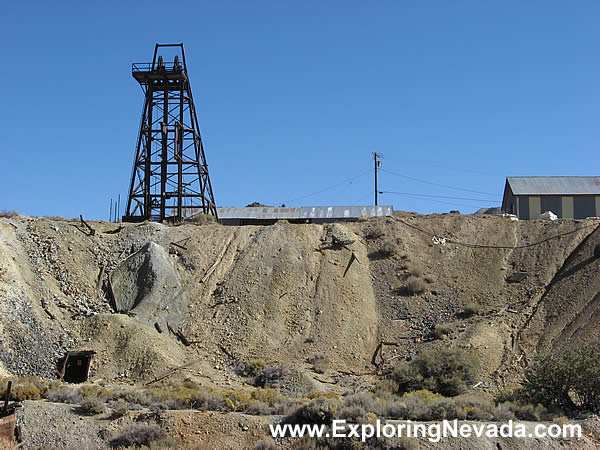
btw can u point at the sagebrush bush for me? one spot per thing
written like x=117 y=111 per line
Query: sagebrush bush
x=203 y=219
x=93 y=391
x=92 y=406
x=250 y=368
x=530 y=412
x=266 y=444
x=320 y=362
x=25 y=388
x=64 y=395
x=415 y=285
x=416 y=272
x=8 y=214
x=375 y=232
x=362 y=407
x=138 y=435
x=386 y=385
x=389 y=247
x=270 y=396
x=258 y=408
x=118 y=407
x=471 y=309
x=442 y=330
x=446 y=371
x=270 y=375
x=321 y=410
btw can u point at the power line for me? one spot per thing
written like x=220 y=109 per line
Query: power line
x=501 y=247
x=436 y=196
x=348 y=180
x=435 y=184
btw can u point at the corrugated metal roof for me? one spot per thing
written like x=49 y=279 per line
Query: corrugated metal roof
x=554 y=185
x=305 y=212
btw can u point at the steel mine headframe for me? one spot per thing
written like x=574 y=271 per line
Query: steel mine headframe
x=170 y=177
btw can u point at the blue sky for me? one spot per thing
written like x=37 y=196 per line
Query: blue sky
x=293 y=97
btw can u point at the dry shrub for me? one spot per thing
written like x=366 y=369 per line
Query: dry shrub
x=93 y=391
x=375 y=232
x=267 y=395
x=415 y=285
x=266 y=444
x=321 y=410
x=203 y=219
x=92 y=406
x=138 y=435
x=471 y=309
x=320 y=362
x=289 y=381
x=64 y=395
x=25 y=388
x=119 y=408
x=8 y=214
x=443 y=330
x=258 y=408
x=386 y=385
x=250 y=368
x=362 y=407
x=416 y=272
x=389 y=248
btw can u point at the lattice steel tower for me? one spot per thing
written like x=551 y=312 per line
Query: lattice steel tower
x=170 y=175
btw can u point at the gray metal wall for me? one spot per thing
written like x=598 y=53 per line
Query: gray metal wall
x=568 y=207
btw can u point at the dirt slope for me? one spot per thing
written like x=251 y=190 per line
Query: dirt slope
x=286 y=291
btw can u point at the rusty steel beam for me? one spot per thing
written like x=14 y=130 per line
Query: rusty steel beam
x=168 y=138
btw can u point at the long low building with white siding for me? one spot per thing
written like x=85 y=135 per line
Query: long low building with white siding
x=263 y=215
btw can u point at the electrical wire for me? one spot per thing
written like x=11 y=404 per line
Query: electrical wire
x=502 y=247
x=435 y=184
x=348 y=180
x=435 y=196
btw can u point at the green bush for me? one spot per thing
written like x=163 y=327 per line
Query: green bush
x=533 y=413
x=570 y=380
x=446 y=371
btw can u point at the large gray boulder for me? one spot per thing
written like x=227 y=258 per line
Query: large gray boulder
x=148 y=285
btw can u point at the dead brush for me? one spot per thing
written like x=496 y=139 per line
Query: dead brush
x=320 y=362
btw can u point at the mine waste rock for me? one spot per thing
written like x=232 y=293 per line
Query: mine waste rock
x=147 y=286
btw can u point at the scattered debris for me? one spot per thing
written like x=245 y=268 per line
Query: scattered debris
x=90 y=229
x=352 y=259
x=517 y=277
x=214 y=266
x=170 y=372
x=7 y=418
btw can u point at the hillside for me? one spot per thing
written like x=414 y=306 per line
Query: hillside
x=283 y=293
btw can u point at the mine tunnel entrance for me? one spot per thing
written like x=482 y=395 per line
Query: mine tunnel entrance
x=76 y=366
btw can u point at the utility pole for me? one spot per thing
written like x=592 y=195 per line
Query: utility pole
x=376 y=159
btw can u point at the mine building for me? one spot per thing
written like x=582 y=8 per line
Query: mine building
x=567 y=197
